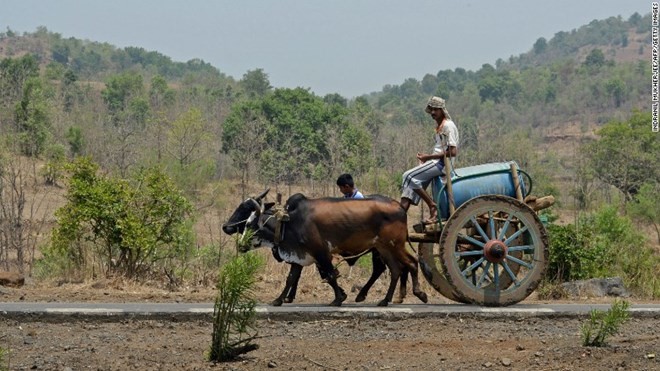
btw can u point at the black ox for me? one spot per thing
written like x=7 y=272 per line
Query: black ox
x=310 y=231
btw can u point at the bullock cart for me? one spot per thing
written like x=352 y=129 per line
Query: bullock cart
x=489 y=246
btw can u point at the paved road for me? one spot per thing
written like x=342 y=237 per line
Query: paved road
x=187 y=311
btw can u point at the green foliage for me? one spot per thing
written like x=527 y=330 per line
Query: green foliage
x=75 y=139
x=571 y=255
x=604 y=244
x=645 y=206
x=32 y=118
x=135 y=226
x=595 y=59
x=160 y=94
x=626 y=154
x=234 y=315
x=14 y=73
x=124 y=97
x=256 y=83
x=56 y=156
x=293 y=135
x=188 y=137
x=602 y=325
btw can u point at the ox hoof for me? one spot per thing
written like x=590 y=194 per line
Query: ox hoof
x=339 y=299
x=382 y=303
x=360 y=298
x=422 y=296
x=288 y=300
x=276 y=303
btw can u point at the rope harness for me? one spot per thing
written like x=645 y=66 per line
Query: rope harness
x=281 y=217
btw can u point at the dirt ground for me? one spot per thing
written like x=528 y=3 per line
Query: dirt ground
x=447 y=343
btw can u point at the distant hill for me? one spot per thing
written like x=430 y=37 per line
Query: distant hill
x=620 y=40
x=92 y=60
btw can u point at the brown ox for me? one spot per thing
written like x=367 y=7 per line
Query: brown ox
x=314 y=229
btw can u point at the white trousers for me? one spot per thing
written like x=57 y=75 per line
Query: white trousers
x=419 y=177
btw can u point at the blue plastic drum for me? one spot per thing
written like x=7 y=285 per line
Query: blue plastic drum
x=469 y=182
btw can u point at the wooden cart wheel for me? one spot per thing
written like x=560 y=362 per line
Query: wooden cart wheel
x=429 y=262
x=501 y=264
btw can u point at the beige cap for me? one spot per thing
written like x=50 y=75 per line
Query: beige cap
x=437 y=102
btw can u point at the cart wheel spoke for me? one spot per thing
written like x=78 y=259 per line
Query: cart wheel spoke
x=510 y=273
x=478 y=228
x=505 y=227
x=523 y=263
x=470 y=240
x=523 y=248
x=515 y=235
x=472 y=267
x=469 y=253
x=491 y=224
x=484 y=274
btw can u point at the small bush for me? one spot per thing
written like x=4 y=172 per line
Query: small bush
x=572 y=256
x=602 y=325
x=234 y=314
x=604 y=244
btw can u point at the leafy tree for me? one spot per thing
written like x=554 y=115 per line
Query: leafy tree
x=56 y=156
x=14 y=73
x=75 y=138
x=335 y=99
x=60 y=52
x=244 y=137
x=616 y=89
x=129 y=112
x=540 y=45
x=295 y=126
x=122 y=94
x=626 y=154
x=32 y=118
x=188 y=137
x=255 y=83
x=646 y=206
x=161 y=99
x=160 y=94
x=69 y=89
x=595 y=59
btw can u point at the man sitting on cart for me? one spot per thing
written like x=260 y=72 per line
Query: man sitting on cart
x=417 y=179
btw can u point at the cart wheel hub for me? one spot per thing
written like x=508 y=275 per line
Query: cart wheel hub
x=495 y=251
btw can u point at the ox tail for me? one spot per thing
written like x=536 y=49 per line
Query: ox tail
x=411 y=245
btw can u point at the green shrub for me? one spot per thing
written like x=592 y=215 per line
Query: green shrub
x=572 y=257
x=602 y=325
x=234 y=314
x=604 y=244
x=132 y=226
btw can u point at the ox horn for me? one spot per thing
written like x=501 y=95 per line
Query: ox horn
x=257 y=206
x=262 y=195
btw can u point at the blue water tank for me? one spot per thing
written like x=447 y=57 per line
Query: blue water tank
x=469 y=182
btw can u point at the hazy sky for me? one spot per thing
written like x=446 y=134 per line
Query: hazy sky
x=350 y=47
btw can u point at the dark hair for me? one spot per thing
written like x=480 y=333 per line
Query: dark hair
x=345 y=179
